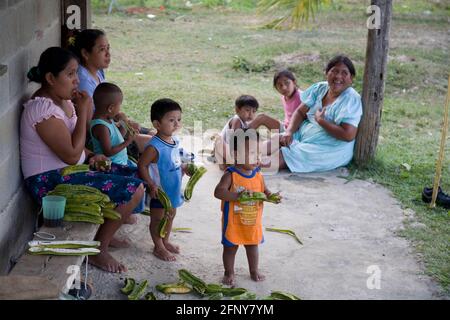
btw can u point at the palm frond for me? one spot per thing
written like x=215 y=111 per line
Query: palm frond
x=293 y=12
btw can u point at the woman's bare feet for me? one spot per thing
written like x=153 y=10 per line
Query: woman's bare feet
x=120 y=243
x=228 y=279
x=171 y=247
x=163 y=254
x=132 y=219
x=106 y=262
x=256 y=276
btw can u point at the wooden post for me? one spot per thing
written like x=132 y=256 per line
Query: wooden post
x=373 y=82
x=75 y=15
x=440 y=159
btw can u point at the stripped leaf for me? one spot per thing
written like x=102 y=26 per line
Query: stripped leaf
x=285 y=231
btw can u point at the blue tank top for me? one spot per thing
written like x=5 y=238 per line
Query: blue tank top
x=116 y=138
x=166 y=173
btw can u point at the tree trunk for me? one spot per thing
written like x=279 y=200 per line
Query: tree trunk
x=373 y=85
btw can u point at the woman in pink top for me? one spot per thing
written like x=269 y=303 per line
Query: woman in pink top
x=285 y=83
x=52 y=136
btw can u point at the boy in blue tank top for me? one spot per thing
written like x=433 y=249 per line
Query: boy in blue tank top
x=106 y=137
x=160 y=166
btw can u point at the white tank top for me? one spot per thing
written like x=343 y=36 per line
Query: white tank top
x=227 y=131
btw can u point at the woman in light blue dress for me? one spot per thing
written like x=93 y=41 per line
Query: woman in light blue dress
x=321 y=134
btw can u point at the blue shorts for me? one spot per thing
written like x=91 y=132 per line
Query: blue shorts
x=154 y=203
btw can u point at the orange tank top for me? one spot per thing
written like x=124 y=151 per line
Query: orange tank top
x=242 y=223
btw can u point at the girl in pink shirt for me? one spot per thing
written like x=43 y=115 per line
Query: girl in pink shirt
x=285 y=83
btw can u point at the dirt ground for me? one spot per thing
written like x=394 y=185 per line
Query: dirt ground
x=348 y=229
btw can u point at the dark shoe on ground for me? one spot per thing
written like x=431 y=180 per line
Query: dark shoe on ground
x=442 y=199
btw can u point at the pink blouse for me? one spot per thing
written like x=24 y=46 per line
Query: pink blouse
x=290 y=106
x=36 y=157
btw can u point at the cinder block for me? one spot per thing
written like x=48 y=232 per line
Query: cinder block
x=21 y=45
x=9 y=131
x=18 y=68
x=26 y=13
x=4 y=90
x=12 y=3
x=8 y=39
x=3 y=37
x=51 y=37
x=10 y=172
x=17 y=223
x=47 y=13
x=53 y=33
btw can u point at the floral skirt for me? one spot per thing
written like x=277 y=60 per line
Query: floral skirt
x=119 y=184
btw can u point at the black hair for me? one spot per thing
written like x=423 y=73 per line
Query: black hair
x=246 y=101
x=251 y=135
x=54 y=60
x=106 y=94
x=85 y=40
x=162 y=106
x=341 y=59
x=283 y=73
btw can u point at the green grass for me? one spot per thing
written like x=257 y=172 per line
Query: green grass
x=189 y=55
x=101 y=6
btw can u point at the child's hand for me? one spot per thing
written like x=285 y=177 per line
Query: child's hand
x=95 y=160
x=240 y=194
x=286 y=139
x=120 y=116
x=244 y=196
x=274 y=197
x=153 y=191
x=135 y=126
x=185 y=170
x=129 y=139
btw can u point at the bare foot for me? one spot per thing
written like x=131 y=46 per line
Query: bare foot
x=228 y=279
x=163 y=254
x=132 y=219
x=106 y=262
x=256 y=276
x=120 y=243
x=171 y=247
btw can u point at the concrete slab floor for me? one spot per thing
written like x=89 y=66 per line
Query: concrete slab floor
x=347 y=230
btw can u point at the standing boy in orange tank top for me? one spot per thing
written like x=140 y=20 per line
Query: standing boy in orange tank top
x=241 y=222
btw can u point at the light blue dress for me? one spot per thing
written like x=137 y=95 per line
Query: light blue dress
x=313 y=149
x=87 y=81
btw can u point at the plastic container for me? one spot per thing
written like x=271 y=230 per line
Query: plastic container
x=53 y=209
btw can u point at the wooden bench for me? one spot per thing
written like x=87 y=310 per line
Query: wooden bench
x=53 y=269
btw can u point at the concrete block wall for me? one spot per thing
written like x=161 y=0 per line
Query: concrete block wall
x=27 y=27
